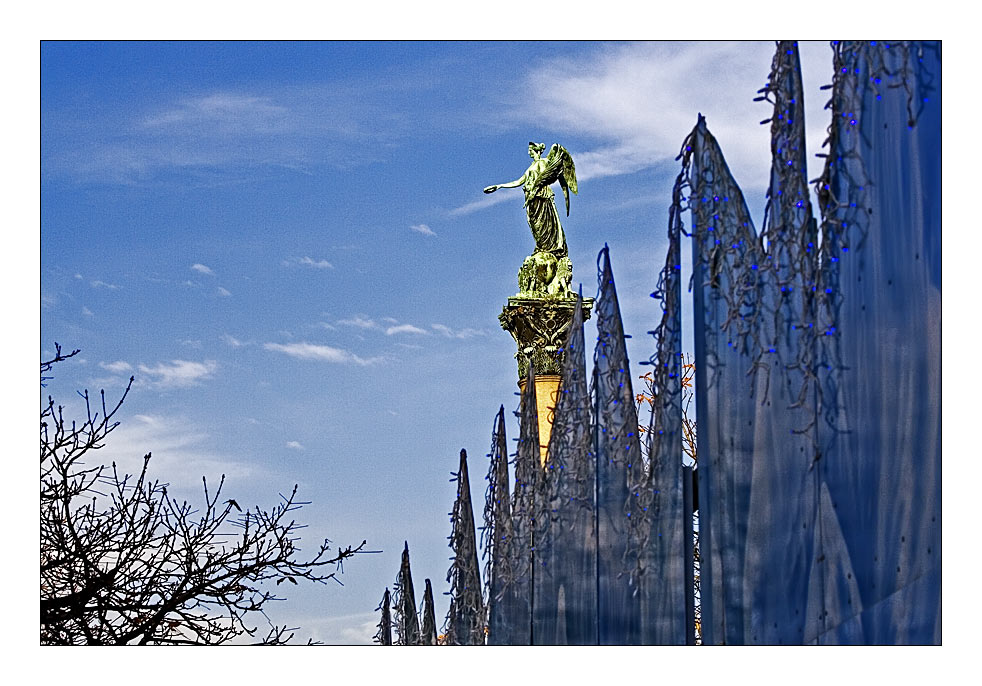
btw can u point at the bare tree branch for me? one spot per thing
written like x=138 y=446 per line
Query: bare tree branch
x=123 y=562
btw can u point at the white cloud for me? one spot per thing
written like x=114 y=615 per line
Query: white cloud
x=223 y=292
x=231 y=340
x=117 y=367
x=86 y=311
x=295 y=445
x=638 y=101
x=319 y=264
x=226 y=107
x=348 y=630
x=220 y=134
x=179 y=373
x=423 y=229
x=325 y=353
x=481 y=203
x=450 y=333
x=78 y=276
x=403 y=328
x=642 y=99
x=198 y=267
x=180 y=452
x=103 y=284
x=191 y=343
x=360 y=321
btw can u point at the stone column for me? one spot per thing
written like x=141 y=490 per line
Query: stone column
x=540 y=326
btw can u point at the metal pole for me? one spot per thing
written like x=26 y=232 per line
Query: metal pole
x=688 y=553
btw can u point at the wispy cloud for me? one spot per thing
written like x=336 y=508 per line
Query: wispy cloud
x=319 y=264
x=423 y=229
x=225 y=293
x=307 y=262
x=360 y=321
x=642 y=99
x=103 y=284
x=223 y=136
x=638 y=101
x=179 y=373
x=201 y=269
x=354 y=629
x=118 y=367
x=233 y=110
x=403 y=328
x=323 y=353
x=482 y=203
x=231 y=341
x=180 y=451
x=294 y=445
x=86 y=311
x=450 y=333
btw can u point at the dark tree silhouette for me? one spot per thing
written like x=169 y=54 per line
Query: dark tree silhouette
x=122 y=562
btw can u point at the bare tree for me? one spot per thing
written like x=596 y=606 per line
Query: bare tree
x=122 y=562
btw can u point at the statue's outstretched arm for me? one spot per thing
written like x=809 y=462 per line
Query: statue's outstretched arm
x=511 y=184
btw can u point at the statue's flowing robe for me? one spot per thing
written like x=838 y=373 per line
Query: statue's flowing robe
x=540 y=204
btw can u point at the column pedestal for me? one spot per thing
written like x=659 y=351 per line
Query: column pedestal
x=540 y=327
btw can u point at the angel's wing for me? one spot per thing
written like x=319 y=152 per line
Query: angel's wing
x=560 y=166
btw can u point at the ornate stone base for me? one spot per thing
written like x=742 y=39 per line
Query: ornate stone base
x=539 y=327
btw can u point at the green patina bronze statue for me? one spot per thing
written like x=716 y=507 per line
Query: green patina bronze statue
x=548 y=270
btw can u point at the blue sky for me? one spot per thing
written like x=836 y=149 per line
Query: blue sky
x=288 y=246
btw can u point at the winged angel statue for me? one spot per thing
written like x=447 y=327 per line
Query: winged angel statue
x=548 y=270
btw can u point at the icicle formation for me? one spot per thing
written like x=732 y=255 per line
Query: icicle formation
x=496 y=534
x=404 y=601
x=466 y=618
x=384 y=634
x=620 y=473
x=429 y=637
x=565 y=588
